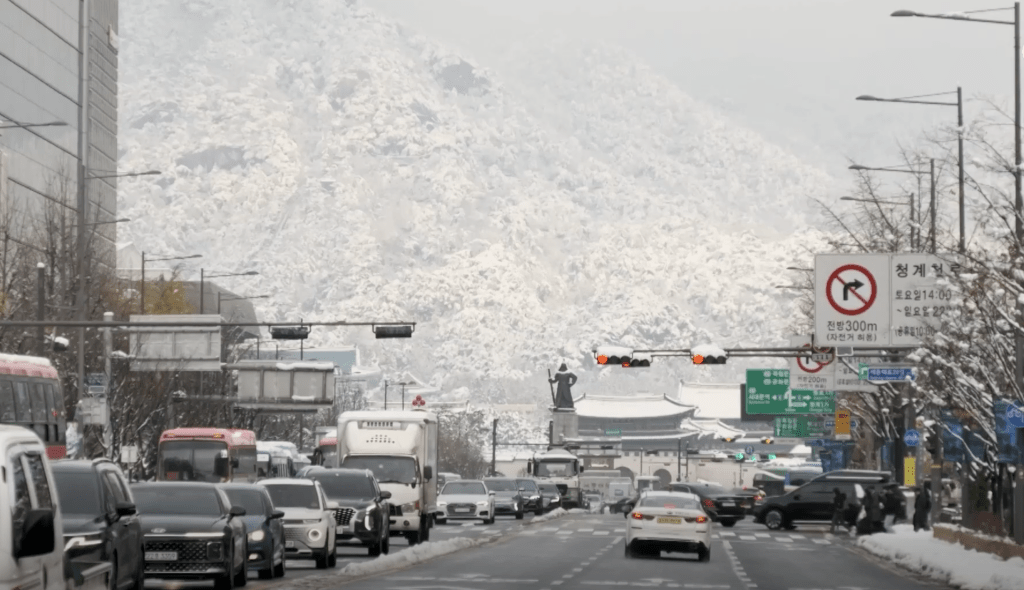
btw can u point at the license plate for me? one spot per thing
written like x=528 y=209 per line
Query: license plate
x=289 y=544
x=729 y=504
x=462 y=509
x=669 y=520
x=161 y=556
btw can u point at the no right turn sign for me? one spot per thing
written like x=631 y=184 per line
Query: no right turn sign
x=851 y=300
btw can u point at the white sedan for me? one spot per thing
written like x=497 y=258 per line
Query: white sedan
x=465 y=498
x=668 y=521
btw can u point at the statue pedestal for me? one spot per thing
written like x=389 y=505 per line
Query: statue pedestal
x=566 y=424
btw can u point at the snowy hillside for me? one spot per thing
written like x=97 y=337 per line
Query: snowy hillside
x=521 y=214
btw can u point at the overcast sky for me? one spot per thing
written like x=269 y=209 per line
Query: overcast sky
x=789 y=69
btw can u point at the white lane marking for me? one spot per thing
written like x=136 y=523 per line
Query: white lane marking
x=556 y=583
x=748 y=538
x=585 y=530
x=762 y=535
x=822 y=541
x=797 y=537
x=727 y=534
x=564 y=533
x=784 y=540
x=601 y=532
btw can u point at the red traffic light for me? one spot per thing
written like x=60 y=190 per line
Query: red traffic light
x=602 y=359
x=700 y=359
x=419 y=402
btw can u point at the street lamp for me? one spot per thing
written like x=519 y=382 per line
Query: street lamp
x=142 y=296
x=793 y=287
x=917 y=173
x=877 y=202
x=125 y=175
x=202 y=280
x=959 y=104
x=800 y=269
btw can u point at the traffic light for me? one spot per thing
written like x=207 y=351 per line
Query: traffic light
x=771 y=456
x=739 y=457
x=623 y=357
x=729 y=439
x=707 y=354
x=393 y=331
x=767 y=440
x=289 y=332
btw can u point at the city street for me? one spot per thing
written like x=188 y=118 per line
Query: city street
x=587 y=551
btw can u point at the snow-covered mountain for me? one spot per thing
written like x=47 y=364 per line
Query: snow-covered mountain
x=521 y=213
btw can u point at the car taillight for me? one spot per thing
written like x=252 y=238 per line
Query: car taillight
x=637 y=516
x=702 y=519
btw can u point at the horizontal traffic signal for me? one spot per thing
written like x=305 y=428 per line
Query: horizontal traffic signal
x=767 y=440
x=700 y=359
x=622 y=357
x=392 y=331
x=729 y=439
x=289 y=332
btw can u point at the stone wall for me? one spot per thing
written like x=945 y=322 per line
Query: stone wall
x=1001 y=546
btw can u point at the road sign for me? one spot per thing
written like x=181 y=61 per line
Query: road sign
x=808 y=373
x=96 y=384
x=613 y=432
x=842 y=425
x=920 y=294
x=830 y=424
x=1014 y=416
x=912 y=437
x=748 y=450
x=800 y=427
x=909 y=468
x=768 y=392
x=852 y=304
x=816 y=443
x=129 y=454
x=870 y=373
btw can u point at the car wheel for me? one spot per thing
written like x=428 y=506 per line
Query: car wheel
x=332 y=559
x=441 y=520
x=227 y=581
x=376 y=549
x=728 y=523
x=385 y=543
x=280 y=570
x=519 y=515
x=538 y=512
x=704 y=554
x=321 y=559
x=629 y=550
x=113 y=572
x=140 y=571
x=774 y=519
x=242 y=577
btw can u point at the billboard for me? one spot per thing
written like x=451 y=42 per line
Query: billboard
x=175 y=347
x=285 y=386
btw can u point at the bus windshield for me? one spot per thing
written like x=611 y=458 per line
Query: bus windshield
x=191 y=460
x=385 y=469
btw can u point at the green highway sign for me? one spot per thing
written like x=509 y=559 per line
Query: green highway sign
x=768 y=392
x=800 y=427
x=613 y=432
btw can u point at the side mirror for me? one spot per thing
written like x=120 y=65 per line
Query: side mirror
x=220 y=466
x=234 y=462
x=126 y=509
x=36 y=536
x=796 y=497
x=385 y=495
x=277 y=514
x=522 y=489
x=331 y=505
x=490 y=493
x=236 y=511
x=428 y=472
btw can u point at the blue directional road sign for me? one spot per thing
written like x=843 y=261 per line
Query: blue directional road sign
x=890 y=374
x=911 y=437
x=830 y=423
x=749 y=450
x=1014 y=416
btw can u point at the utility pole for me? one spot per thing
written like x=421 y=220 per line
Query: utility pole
x=82 y=200
x=679 y=459
x=41 y=308
x=108 y=351
x=494 y=447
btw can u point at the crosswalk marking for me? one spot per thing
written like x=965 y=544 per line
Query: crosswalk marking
x=784 y=540
x=762 y=535
x=600 y=532
x=748 y=537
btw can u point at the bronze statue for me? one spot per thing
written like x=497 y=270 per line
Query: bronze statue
x=565 y=381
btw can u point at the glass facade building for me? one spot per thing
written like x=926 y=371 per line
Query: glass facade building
x=39 y=78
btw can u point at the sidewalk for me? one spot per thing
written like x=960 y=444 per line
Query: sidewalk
x=947 y=562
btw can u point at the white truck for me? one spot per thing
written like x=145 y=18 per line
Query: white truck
x=400 y=448
x=562 y=468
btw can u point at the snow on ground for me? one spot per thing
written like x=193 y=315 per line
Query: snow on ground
x=949 y=563
x=394 y=561
x=556 y=513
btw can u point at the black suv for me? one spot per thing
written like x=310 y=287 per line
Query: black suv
x=264 y=527
x=532 y=500
x=722 y=506
x=363 y=508
x=192 y=532
x=813 y=502
x=100 y=521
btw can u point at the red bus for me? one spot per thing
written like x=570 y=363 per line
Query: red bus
x=326 y=452
x=30 y=396
x=212 y=455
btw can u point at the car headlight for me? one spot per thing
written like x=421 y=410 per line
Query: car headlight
x=534 y=498
x=311 y=521
x=442 y=504
x=256 y=536
x=411 y=507
x=314 y=534
x=482 y=503
x=515 y=506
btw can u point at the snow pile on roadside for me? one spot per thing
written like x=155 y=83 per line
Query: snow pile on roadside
x=946 y=562
x=556 y=513
x=579 y=511
x=394 y=561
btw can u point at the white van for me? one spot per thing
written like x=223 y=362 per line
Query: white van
x=31 y=532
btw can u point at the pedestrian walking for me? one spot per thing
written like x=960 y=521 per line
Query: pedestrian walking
x=838 y=510
x=865 y=526
x=922 y=505
x=890 y=507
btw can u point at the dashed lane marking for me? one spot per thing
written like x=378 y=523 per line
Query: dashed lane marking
x=748 y=537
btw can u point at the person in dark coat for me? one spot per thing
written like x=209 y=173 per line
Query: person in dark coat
x=838 y=510
x=563 y=393
x=922 y=505
x=866 y=525
x=891 y=506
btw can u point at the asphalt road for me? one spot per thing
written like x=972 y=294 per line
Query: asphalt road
x=587 y=551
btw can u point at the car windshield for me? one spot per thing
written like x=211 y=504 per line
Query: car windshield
x=344 y=486
x=709 y=489
x=669 y=501
x=463 y=487
x=548 y=468
x=250 y=500
x=78 y=493
x=501 y=485
x=190 y=460
x=157 y=499
x=549 y=487
x=527 y=484
x=294 y=496
x=385 y=469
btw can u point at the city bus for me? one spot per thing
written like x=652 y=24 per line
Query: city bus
x=326 y=452
x=30 y=396
x=212 y=455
